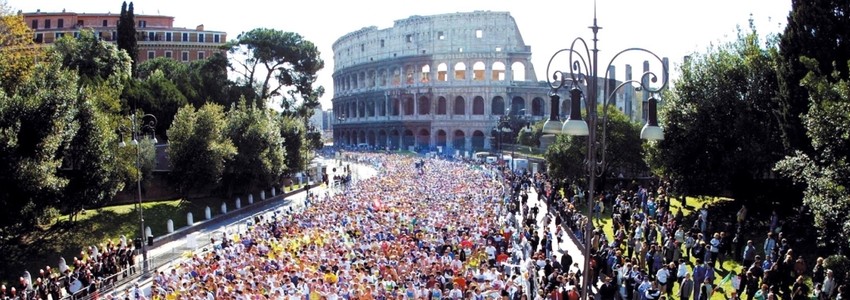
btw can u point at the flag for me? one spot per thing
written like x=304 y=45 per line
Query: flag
x=727 y=278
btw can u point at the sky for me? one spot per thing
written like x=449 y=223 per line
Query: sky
x=670 y=28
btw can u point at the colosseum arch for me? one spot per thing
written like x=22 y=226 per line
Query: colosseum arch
x=497 y=106
x=478 y=71
x=382 y=107
x=460 y=106
x=394 y=139
x=407 y=139
x=370 y=138
x=361 y=108
x=441 y=105
x=498 y=71
x=478 y=140
x=395 y=108
x=382 y=77
x=442 y=72
x=381 y=138
x=352 y=109
x=565 y=108
x=459 y=139
x=370 y=108
x=537 y=107
x=396 y=76
x=408 y=106
x=361 y=79
x=517 y=105
x=408 y=74
x=361 y=137
x=423 y=139
x=478 y=105
x=370 y=78
x=441 y=139
x=424 y=105
x=518 y=71
x=426 y=74
x=460 y=71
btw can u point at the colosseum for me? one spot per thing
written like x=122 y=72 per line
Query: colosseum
x=433 y=82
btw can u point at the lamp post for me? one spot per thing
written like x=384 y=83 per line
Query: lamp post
x=146 y=125
x=583 y=67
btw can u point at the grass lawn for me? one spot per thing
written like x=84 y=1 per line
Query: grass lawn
x=44 y=245
x=693 y=204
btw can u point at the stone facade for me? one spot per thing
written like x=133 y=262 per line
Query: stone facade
x=433 y=81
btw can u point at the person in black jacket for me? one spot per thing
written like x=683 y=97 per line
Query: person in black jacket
x=608 y=290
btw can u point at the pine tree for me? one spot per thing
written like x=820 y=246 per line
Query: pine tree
x=817 y=29
x=127 y=32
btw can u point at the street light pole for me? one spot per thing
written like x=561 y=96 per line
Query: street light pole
x=148 y=124
x=581 y=69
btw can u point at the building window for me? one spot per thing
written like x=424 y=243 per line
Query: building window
x=105 y=23
x=201 y=55
x=168 y=36
x=143 y=23
x=185 y=37
x=479 y=33
x=441 y=36
x=47 y=24
x=498 y=49
x=200 y=38
x=382 y=43
x=76 y=34
x=151 y=35
x=168 y=54
x=216 y=38
x=60 y=23
x=409 y=38
x=184 y=56
x=460 y=49
x=114 y=35
x=100 y=35
x=39 y=38
x=59 y=35
x=362 y=47
x=151 y=54
x=34 y=24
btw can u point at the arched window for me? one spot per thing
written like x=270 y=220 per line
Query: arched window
x=396 y=76
x=460 y=106
x=408 y=106
x=441 y=106
x=426 y=74
x=518 y=71
x=442 y=72
x=478 y=71
x=498 y=106
x=498 y=71
x=478 y=105
x=424 y=105
x=460 y=71
x=537 y=107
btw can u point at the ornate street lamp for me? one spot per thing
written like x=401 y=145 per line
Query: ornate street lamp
x=583 y=68
x=147 y=125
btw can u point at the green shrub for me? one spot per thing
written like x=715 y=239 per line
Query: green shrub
x=839 y=264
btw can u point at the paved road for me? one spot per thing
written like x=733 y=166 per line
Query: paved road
x=237 y=222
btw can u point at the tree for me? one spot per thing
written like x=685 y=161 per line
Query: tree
x=259 y=146
x=198 y=148
x=293 y=132
x=92 y=174
x=279 y=64
x=623 y=152
x=93 y=59
x=17 y=49
x=816 y=29
x=36 y=125
x=127 y=32
x=826 y=173
x=720 y=135
x=158 y=96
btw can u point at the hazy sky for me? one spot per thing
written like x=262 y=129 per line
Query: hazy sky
x=671 y=28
